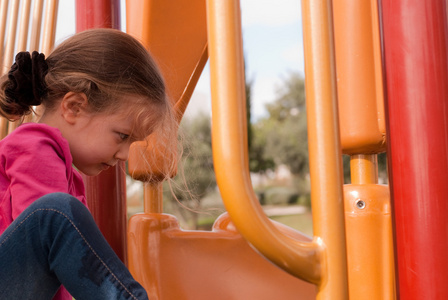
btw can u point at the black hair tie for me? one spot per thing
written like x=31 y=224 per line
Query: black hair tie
x=26 y=79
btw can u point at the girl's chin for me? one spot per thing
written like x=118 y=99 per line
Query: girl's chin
x=93 y=171
x=104 y=167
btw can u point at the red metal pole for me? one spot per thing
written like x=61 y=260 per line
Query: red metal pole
x=106 y=193
x=97 y=14
x=415 y=49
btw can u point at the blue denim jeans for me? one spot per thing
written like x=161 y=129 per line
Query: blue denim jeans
x=56 y=241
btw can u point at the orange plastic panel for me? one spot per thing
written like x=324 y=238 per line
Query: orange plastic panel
x=359 y=76
x=175 y=32
x=216 y=265
x=369 y=241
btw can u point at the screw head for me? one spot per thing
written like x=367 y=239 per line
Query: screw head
x=360 y=204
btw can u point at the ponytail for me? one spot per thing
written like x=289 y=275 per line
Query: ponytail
x=24 y=86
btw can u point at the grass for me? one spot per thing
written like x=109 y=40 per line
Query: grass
x=301 y=222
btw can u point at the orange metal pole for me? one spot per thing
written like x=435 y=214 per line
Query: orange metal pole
x=369 y=231
x=361 y=111
x=369 y=241
x=359 y=76
x=300 y=258
x=364 y=168
x=324 y=146
x=153 y=197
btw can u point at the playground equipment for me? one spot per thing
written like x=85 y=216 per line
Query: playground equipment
x=368 y=91
x=23 y=30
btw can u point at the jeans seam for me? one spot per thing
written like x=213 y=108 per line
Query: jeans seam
x=82 y=236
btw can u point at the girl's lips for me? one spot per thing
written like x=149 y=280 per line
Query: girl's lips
x=105 y=166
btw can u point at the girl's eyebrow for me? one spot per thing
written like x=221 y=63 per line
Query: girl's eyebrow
x=131 y=132
x=123 y=128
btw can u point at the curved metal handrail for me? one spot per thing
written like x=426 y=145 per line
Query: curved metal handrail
x=321 y=261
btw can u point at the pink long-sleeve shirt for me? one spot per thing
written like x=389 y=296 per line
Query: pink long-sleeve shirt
x=35 y=160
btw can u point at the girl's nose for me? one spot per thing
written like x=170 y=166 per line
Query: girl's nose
x=123 y=153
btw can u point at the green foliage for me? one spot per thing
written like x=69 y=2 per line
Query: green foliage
x=290 y=100
x=197 y=162
x=280 y=196
x=346 y=168
x=382 y=166
x=196 y=176
x=300 y=222
x=259 y=160
x=281 y=138
x=248 y=85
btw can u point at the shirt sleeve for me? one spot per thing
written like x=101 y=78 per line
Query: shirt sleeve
x=35 y=169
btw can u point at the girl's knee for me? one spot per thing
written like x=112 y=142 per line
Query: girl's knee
x=57 y=210
x=60 y=202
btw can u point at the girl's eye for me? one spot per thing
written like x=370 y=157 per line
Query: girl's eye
x=123 y=136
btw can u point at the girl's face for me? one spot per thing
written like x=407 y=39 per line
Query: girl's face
x=101 y=140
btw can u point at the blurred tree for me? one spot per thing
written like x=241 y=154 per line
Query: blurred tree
x=259 y=162
x=290 y=100
x=281 y=137
x=196 y=176
x=286 y=128
x=248 y=84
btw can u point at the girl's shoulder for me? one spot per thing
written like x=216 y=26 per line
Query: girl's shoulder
x=36 y=137
x=28 y=128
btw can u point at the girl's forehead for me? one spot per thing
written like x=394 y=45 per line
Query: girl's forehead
x=130 y=106
x=142 y=119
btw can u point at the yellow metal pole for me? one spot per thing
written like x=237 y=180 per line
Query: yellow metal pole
x=3 y=19
x=49 y=31
x=300 y=258
x=23 y=26
x=21 y=43
x=36 y=25
x=8 y=54
x=324 y=146
x=4 y=69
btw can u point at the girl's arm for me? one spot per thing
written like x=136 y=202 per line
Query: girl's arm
x=36 y=167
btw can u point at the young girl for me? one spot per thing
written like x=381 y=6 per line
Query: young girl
x=100 y=91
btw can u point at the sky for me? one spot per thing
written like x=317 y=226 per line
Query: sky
x=272 y=41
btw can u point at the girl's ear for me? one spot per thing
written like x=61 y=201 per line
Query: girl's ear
x=73 y=105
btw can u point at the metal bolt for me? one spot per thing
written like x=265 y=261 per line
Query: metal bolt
x=360 y=204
